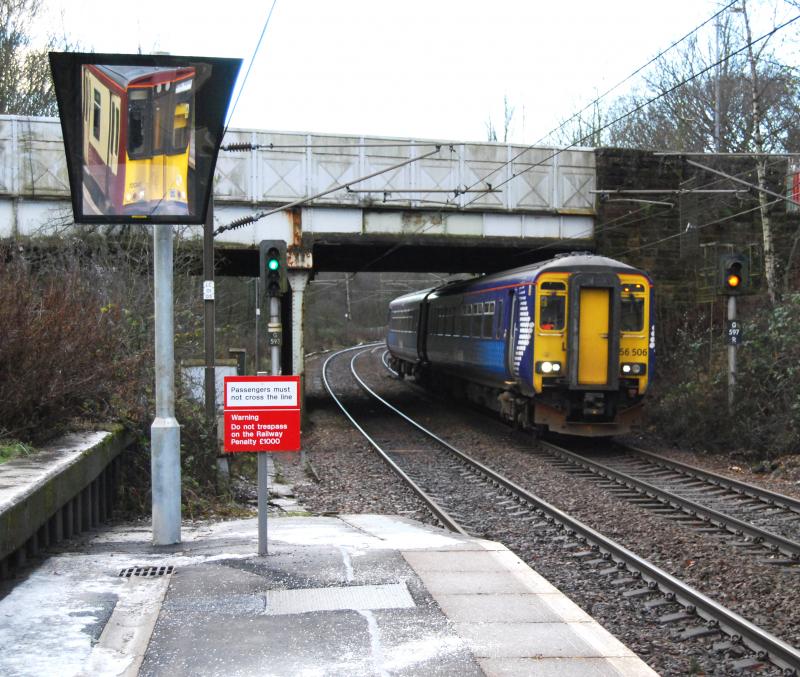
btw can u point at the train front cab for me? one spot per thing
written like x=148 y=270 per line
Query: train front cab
x=591 y=351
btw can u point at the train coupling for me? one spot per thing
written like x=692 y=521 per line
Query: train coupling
x=594 y=404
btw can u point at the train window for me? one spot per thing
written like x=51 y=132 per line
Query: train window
x=488 y=320
x=138 y=141
x=97 y=109
x=632 y=313
x=180 y=130
x=499 y=323
x=551 y=312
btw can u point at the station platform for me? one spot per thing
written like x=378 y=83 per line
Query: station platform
x=347 y=595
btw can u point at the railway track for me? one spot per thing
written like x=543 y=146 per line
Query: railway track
x=763 y=520
x=447 y=480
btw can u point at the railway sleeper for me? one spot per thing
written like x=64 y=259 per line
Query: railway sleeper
x=584 y=554
x=676 y=617
x=639 y=592
x=747 y=664
x=698 y=631
x=782 y=562
x=622 y=582
x=658 y=602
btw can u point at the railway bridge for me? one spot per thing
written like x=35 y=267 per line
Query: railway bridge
x=428 y=196
x=379 y=204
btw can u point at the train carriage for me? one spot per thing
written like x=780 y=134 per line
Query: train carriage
x=137 y=144
x=566 y=344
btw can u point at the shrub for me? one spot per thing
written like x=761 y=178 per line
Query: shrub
x=61 y=350
x=690 y=404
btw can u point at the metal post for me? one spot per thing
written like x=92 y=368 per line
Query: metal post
x=258 y=321
x=731 y=356
x=165 y=433
x=263 y=476
x=298 y=280
x=209 y=319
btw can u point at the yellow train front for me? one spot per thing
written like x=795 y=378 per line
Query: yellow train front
x=593 y=347
x=566 y=345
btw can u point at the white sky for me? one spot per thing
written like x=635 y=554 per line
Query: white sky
x=416 y=68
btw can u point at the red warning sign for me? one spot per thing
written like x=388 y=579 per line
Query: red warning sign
x=262 y=413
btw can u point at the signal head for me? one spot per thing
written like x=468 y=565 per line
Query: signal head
x=733 y=274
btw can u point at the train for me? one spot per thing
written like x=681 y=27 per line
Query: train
x=137 y=139
x=565 y=345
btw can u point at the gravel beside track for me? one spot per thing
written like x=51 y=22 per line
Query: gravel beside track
x=351 y=478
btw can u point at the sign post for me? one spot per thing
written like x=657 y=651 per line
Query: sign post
x=262 y=414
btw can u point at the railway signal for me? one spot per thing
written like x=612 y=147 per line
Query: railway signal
x=273 y=266
x=734 y=273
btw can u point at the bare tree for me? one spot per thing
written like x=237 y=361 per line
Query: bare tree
x=25 y=84
x=730 y=95
x=508 y=116
x=756 y=103
x=584 y=128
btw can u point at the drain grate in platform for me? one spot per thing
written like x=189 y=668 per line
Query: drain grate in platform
x=147 y=572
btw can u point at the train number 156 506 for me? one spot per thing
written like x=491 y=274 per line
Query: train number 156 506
x=633 y=352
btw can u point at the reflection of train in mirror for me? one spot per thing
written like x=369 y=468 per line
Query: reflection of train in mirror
x=137 y=137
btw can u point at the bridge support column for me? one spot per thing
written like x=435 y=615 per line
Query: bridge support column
x=298 y=280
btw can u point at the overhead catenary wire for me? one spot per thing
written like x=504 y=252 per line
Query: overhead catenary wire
x=243 y=146
x=635 y=109
x=621 y=221
x=700 y=227
x=250 y=65
x=246 y=220
x=636 y=72
x=260 y=215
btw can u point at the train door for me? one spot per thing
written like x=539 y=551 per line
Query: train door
x=113 y=140
x=594 y=308
x=594 y=322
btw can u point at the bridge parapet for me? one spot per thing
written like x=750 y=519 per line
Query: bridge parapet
x=535 y=192
x=286 y=167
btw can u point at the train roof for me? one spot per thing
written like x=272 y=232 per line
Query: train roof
x=575 y=261
x=412 y=297
x=125 y=76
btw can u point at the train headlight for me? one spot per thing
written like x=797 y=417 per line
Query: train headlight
x=548 y=367
x=633 y=369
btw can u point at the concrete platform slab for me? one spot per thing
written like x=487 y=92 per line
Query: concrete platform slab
x=511 y=608
x=560 y=667
x=359 y=595
x=541 y=640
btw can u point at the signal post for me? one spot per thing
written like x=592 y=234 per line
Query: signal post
x=262 y=413
x=734 y=274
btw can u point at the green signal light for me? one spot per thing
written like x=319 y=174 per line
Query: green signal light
x=273 y=264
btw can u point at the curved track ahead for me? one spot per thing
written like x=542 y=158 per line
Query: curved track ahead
x=636 y=576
